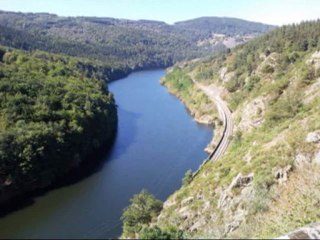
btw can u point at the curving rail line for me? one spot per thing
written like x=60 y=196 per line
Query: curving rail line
x=225 y=114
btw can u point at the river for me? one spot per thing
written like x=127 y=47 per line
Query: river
x=156 y=143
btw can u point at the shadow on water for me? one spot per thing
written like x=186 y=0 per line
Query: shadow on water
x=86 y=169
x=127 y=129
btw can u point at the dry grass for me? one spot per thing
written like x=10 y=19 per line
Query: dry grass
x=295 y=204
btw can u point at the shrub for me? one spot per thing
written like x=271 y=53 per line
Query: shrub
x=268 y=69
x=237 y=137
x=158 y=233
x=308 y=74
x=236 y=83
x=252 y=82
x=144 y=207
x=261 y=201
x=187 y=178
x=286 y=107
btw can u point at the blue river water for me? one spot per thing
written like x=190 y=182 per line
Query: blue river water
x=156 y=143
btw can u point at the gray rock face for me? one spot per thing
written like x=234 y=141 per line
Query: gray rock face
x=314 y=60
x=241 y=181
x=311 y=231
x=232 y=205
x=313 y=137
x=303 y=159
x=316 y=159
x=252 y=116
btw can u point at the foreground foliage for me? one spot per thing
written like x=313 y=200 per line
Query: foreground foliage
x=158 y=233
x=138 y=217
x=144 y=207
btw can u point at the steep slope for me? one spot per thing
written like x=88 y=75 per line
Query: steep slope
x=267 y=182
x=52 y=117
x=119 y=42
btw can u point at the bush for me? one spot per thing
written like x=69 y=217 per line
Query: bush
x=252 y=82
x=286 y=107
x=261 y=201
x=158 y=233
x=268 y=69
x=308 y=74
x=236 y=99
x=236 y=83
x=237 y=137
x=187 y=178
x=144 y=207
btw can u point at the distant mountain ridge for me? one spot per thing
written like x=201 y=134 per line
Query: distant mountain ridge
x=223 y=25
x=124 y=43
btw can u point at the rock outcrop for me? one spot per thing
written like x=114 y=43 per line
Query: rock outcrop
x=232 y=205
x=225 y=75
x=313 y=137
x=252 y=115
x=311 y=231
x=314 y=60
x=281 y=174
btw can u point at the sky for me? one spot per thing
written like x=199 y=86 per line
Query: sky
x=277 y=12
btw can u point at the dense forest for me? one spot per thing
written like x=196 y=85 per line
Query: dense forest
x=54 y=112
x=121 y=43
x=204 y=27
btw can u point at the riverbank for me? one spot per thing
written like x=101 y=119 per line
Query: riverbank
x=200 y=107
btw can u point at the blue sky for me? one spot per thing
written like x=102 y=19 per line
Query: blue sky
x=267 y=11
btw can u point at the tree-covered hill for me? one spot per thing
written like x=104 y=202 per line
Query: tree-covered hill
x=52 y=116
x=132 y=44
x=204 y=27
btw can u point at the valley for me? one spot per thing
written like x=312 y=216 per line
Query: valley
x=115 y=128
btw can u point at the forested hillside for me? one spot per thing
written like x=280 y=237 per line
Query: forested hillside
x=55 y=109
x=204 y=27
x=123 y=43
x=267 y=183
x=54 y=112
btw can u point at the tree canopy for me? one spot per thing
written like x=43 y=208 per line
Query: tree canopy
x=144 y=207
x=51 y=118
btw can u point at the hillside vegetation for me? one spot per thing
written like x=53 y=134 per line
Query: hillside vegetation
x=268 y=181
x=52 y=117
x=206 y=26
x=122 y=43
x=181 y=85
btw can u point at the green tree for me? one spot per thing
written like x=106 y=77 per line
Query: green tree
x=143 y=208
